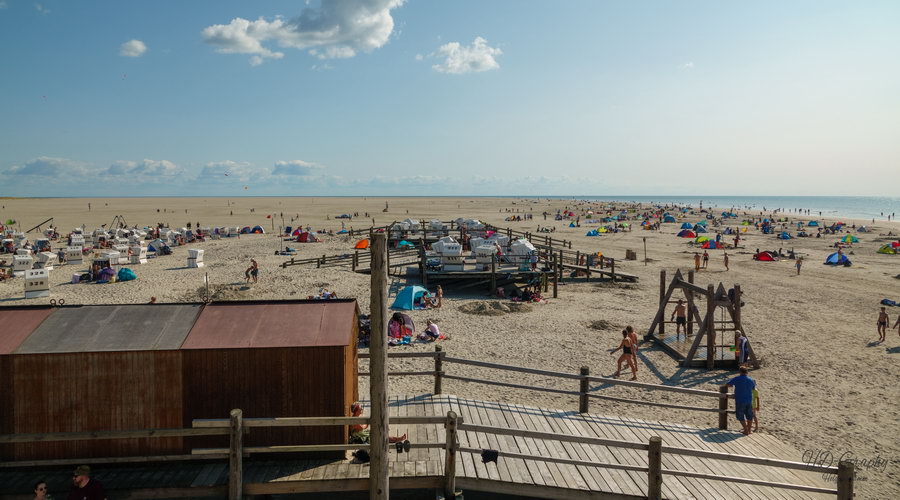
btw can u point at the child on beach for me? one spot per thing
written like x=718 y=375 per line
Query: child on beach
x=755 y=406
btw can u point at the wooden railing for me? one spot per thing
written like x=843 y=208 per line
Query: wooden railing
x=236 y=427
x=585 y=391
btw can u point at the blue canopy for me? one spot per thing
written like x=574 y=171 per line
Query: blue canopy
x=668 y=218
x=687 y=225
x=784 y=236
x=837 y=259
x=592 y=232
x=407 y=297
x=813 y=223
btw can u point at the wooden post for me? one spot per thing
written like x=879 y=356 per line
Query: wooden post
x=710 y=326
x=450 y=457
x=493 y=274
x=690 y=304
x=845 y=480
x=438 y=368
x=378 y=379
x=583 y=400
x=236 y=457
x=645 y=250
x=737 y=305
x=723 y=405
x=612 y=269
x=662 y=298
x=654 y=466
x=355 y=260
x=555 y=277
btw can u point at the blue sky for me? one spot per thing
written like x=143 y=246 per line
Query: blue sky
x=449 y=97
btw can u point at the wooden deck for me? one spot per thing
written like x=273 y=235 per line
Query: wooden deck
x=423 y=468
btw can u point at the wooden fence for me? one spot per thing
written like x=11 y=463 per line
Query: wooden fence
x=236 y=427
x=585 y=391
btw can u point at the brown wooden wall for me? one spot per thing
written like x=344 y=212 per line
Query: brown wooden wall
x=92 y=391
x=268 y=382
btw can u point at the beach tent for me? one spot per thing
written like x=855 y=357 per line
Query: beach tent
x=784 y=236
x=668 y=218
x=837 y=259
x=700 y=229
x=702 y=223
x=405 y=243
x=895 y=244
x=765 y=256
x=887 y=249
x=863 y=229
x=288 y=230
x=592 y=232
x=343 y=216
x=246 y=230
x=850 y=239
x=712 y=245
x=571 y=224
x=702 y=239
x=686 y=233
x=812 y=223
x=307 y=237
x=342 y=231
x=406 y=298
x=687 y=225
x=297 y=232
x=745 y=223
x=258 y=230
x=362 y=244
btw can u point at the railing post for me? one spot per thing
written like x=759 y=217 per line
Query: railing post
x=236 y=457
x=438 y=368
x=654 y=469
x=450 y=457
x=583 y=404
x=723 y=408
x=845 y=480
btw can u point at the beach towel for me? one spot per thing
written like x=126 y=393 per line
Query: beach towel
x=889 y=302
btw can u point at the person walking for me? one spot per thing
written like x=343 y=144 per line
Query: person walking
x=743 y=399
x=725 y=257
x=883 y=321
x=634 y=346
x=705 y=259
x=799 y=264
x=625 y=357
x=696 y=261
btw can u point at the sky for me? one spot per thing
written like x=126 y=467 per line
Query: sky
x=426 y=97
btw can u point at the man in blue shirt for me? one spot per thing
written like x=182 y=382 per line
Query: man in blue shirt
x=743 y=399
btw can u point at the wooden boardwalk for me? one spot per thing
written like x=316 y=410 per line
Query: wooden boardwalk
x=423 y=468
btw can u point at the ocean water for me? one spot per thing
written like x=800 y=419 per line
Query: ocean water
x=858 y=207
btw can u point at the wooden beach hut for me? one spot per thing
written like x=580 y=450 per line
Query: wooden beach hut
x=120 y=367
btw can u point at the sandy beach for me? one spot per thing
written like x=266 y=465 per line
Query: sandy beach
x=825 y=382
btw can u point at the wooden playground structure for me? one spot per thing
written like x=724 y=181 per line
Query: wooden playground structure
x=707 y=348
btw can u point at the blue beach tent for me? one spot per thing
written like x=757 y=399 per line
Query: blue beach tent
x=407 y=297
x=592 y=232
x=784 y=236
x=668 y=218
x=687 y=225
x=837 y=259
x=813 y=223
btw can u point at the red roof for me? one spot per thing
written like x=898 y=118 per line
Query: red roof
x=17 y=324
x=285 y=324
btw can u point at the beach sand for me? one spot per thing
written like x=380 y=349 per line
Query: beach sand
x=825 y=383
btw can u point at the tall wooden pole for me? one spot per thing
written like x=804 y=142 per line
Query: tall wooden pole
x=710 y=326
x=662 y=298
x=378 y=422
x=236 y=457
x=645 y=250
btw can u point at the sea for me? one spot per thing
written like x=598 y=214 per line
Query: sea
x=852 y=207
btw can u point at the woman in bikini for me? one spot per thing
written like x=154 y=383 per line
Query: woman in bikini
x=627 y=350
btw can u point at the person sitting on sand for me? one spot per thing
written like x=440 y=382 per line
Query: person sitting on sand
x=431 y=333
x=359 y=433
x=626 y=356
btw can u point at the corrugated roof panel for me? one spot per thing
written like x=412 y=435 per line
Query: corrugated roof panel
x=113 y=328
x=290 y=324
x=17 y=324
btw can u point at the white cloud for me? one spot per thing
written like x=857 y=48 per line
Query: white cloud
x=144 y=168
x=296 y=168
x=419 y=57
x=687 y=65
x=40 y=8
x=337 y=29
x=459 y=59
x=49 y=167
x=230 y=171
x=132 y=48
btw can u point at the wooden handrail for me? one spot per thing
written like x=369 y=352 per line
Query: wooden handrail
x=124 y=434
x=208 y=423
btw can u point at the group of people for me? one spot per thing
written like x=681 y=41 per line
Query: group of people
x=83 y=487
